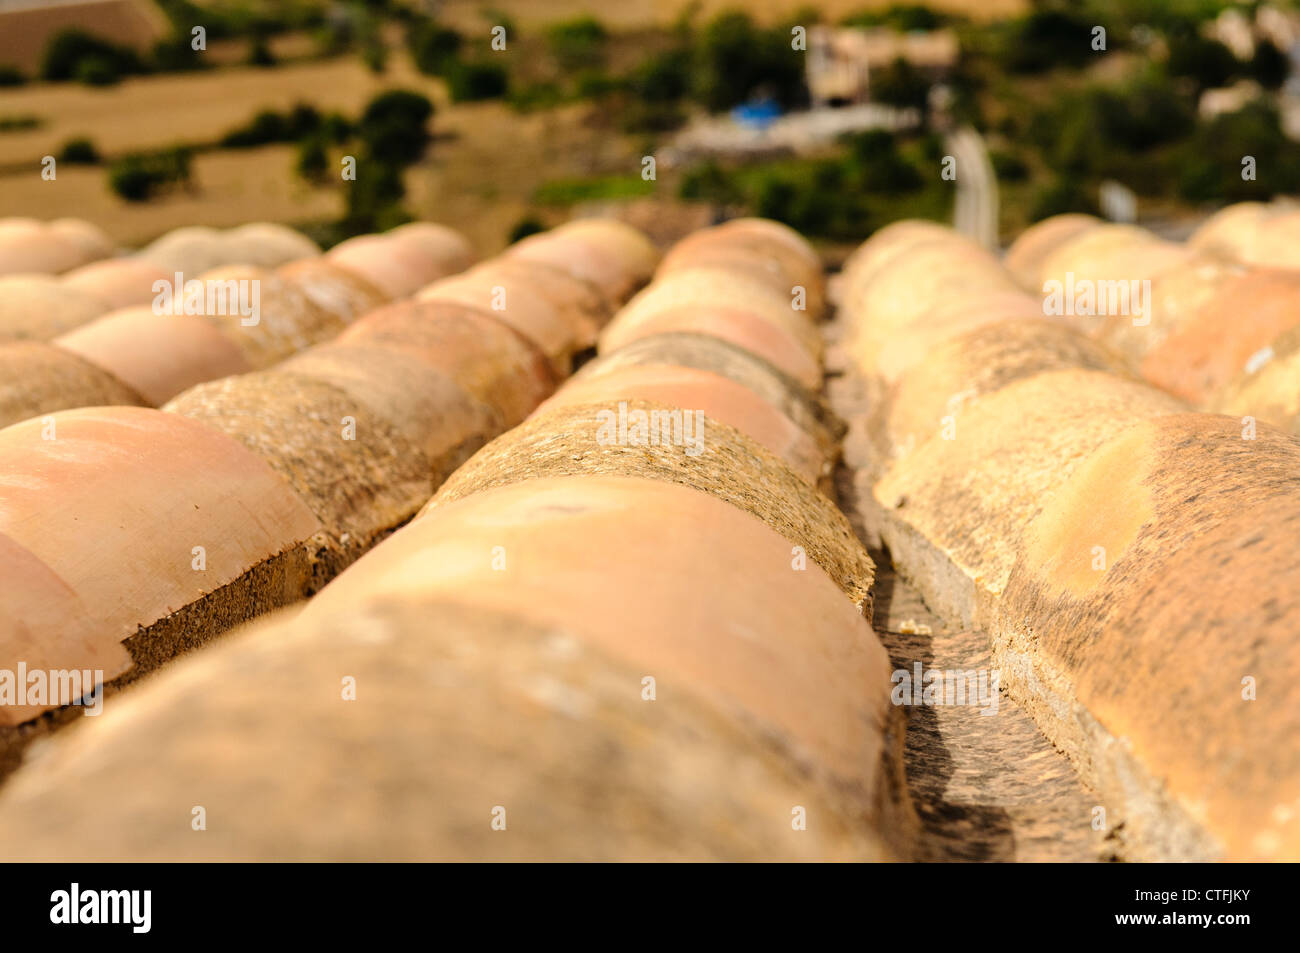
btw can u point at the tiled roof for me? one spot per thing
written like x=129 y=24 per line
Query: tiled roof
x=628 y=613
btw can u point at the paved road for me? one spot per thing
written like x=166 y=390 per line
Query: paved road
x=976 y=210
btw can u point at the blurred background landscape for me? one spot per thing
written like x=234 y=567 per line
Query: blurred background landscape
x=835 y=117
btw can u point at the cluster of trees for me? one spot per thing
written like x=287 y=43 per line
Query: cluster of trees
x=391 y=134
x=78 y=55
x=842 y=197
x=140 y=176
x=470 y=73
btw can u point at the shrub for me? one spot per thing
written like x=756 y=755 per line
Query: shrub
x=710 y=182
x=734 y=59
x=71 y=51
x=902 y=86
x=536 y=96
x=374 y=197
x=374 y=53
x=578 y=44
x=477 y=80
x=875 y=164
x=19 y=123
x=1269 y=66
x=266 y=127
x=433 y=48
x=98 y=71
x=637 y=115
x=663 y=77
x=259 y=51
x=593 y=84
x=175 y=55
x=1206 y=62
x=900 y=16
x=313 y=159
x=141 y=175
x=1009 y=167
x=11 y=76
x=1045 y=39
x=523 y=228
x=1064 y=194
x=79 y=151
x=1211 y=162
x=394 y=126
x=601 y=188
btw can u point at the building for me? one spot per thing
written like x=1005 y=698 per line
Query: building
x=840 y=60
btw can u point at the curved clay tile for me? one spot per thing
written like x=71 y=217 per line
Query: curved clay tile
x=1025 y=257
x=1199 y=590
x=489 y=359
x=286 y=321
x=615 y=257
x=137 y=491
x=42 y=251
x=88 y=237
x=38 y=378
x=764 y=254
x=982 y=361
x=709 y=288
x=953 y=509
x=729 y=465
x=1111 y=253
x=181 y=351
x=774 y=231
x=707 y=353
x=442 y=244
x=741 y=328
x=1177 y=297
x=891 y=242
x=732 y=620
x=433 y=412
x=40 y=307
x=267 y=244
x=397 y=266
x=695 y=390
x=581 y=302
x=36 y=603
x=354 y=468
x=118 y=282
x=191 y=250
x=948 y=318
x=555 y=333
x=333 y=288
x=927 y=273
x=1269 y=389
x=1277 y=241
x=1234 y=231
x=487 y=736
x=1216 y=344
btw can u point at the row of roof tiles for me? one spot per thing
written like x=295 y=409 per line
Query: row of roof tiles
x=146 y=532
x=1045 y=477
x=104 y=333
x=613 y=646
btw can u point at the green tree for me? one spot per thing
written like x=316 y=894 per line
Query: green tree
x=313 y=159
x=79 y=151
x=578 y=44
x=735 y=59
x=902 y=86
x=435 y=49
x=69 y=51
x=471 y=81
x=1206 y=62
x=1269 y=66
x=394 y=126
